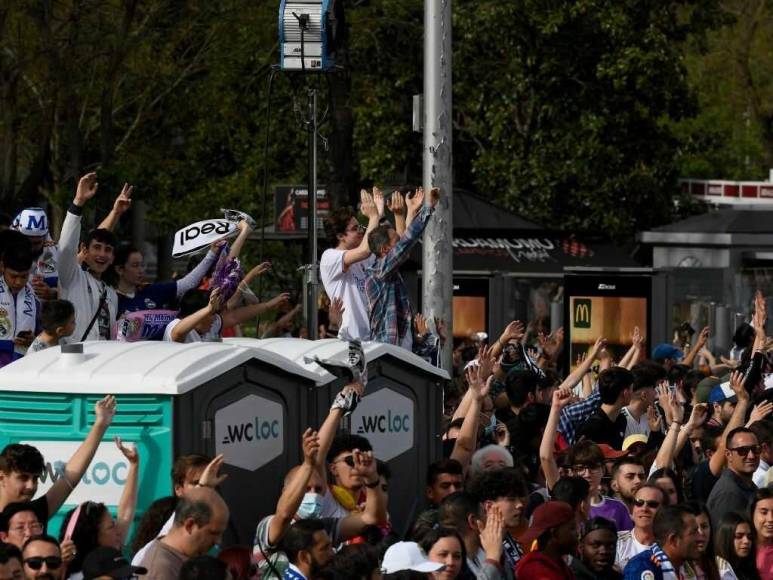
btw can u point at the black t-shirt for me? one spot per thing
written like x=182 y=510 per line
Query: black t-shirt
x=40 y=507
x=600 y=429
x=703 y=482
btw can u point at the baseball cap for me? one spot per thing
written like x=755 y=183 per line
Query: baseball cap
x=106 y=561
x=633 y=440
x=408 y=556
x=610 y=452
x=550 y=514
x=704 y=388
x=31 y=221
x=665 y=350
x=722 y=393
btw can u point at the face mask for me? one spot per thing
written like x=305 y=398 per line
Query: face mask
x=311 y=506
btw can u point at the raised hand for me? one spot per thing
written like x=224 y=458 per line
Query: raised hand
x=365 y=466
x=378 y=199
x=279 y=299
x=310 y=446
x=104 y=410
x=513 y=331
x=703 y=337
x=661 y=390
x=215 y=301
x=258 y=270
x=124 y=200
x=736 y=383
x=478 y=386
x=130 y=453
x=367 y=205
x=760 y=411
x=598 y=346
x=87 y=188
x=420 y=324
x=415 y=201
x=211 y=477
x=653 y=419
x=486 y=361
x=699 y=414
x=561 y=398
x=396 y=203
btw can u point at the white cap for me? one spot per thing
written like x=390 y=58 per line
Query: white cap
x=31 y=221
x=408 y=556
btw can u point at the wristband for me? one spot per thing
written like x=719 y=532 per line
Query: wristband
x=75 y=209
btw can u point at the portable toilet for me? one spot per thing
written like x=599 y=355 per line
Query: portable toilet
x=400 y=414
x=173 y=399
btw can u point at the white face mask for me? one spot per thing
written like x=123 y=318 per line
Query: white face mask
x=311 y=506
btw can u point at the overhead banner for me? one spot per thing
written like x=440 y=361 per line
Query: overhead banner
x=198 y=236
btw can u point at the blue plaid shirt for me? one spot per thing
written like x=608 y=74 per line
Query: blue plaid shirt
x=390 y=310
x=575 y=415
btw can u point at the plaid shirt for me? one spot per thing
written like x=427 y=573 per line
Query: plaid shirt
x=575 y=415
x=390 y=309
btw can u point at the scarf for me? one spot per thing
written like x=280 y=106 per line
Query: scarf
x=17 y=314
x=345 y=499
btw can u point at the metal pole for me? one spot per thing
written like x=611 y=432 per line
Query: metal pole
x=312 y=273
x=437 y=269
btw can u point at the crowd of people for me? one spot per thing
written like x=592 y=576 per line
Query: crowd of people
x=653 y=466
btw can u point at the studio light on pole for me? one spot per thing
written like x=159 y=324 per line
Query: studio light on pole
x=309 y=34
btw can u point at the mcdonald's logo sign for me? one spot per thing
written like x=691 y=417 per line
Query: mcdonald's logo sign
x=582 y=313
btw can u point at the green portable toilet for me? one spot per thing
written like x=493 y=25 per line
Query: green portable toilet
x=47 y=400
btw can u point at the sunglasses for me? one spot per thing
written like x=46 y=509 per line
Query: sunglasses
x=650 y=503
x=744 y=450
x=361 y=229
x=36 y=562
x=349 y=460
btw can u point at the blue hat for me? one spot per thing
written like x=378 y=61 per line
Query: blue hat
x=666 y=350
x=722 y=393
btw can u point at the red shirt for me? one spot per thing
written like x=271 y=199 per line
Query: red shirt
x=537 y=565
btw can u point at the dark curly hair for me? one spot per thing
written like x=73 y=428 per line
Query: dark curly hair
x=22 y=459
x=336 y=223
x=347 y=442
x=492 y=485
x=86 y=532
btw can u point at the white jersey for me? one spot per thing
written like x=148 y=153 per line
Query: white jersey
x=349 y=286
x=627 y=548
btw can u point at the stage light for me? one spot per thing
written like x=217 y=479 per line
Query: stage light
x=310 y=32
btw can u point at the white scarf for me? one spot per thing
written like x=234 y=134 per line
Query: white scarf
x=16 y=314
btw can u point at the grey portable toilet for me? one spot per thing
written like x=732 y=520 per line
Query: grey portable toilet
x=400 y=414
x=173 y=399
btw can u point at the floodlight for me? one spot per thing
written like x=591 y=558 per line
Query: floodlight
x=310 y=32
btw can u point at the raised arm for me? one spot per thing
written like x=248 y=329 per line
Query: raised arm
x=127 y=506
x=718 y=459
x=327 y=431
x=513 y=331
x=675 y=411
x=181 y=329
x=397 y=206
x=547 y=458
x=244 y=285
x=375 y=511
x=467 y=440
x=121 y=204
x=193 y=278
x=69 y=240
x=697 y=418
x=580 y=370
x=245 y=313
x=697 y=347
x=104 y=411
x=294 y=489
x=631 y=357
x=241 y=239
x=369 y=210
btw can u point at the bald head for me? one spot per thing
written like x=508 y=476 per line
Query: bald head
x=200 y=504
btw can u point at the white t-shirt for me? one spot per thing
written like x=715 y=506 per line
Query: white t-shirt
x=634 y=427
x=627 y=548
x=349 y=286
x=331 y=508
x=212 y=335
x=761 y=475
